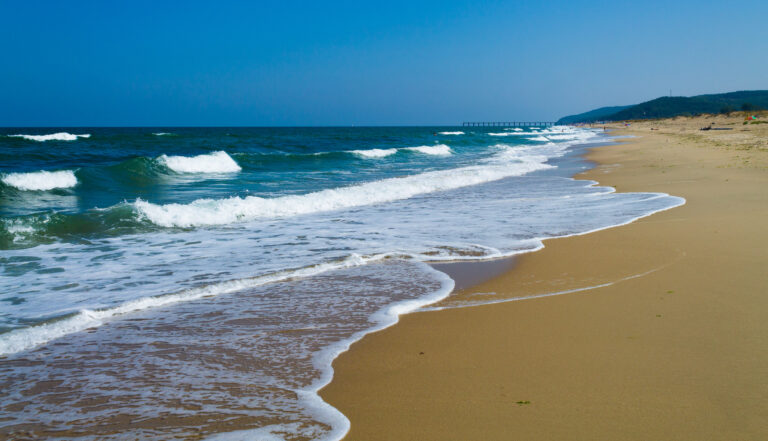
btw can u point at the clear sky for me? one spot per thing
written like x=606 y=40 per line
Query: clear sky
x=75 y=63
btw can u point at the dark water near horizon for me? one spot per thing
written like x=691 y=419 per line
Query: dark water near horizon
x=198 y=282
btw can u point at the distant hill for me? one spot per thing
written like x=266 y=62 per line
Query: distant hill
x=668 y=107
x=592 y=115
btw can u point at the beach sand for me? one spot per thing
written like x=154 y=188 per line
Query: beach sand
x=673 y=347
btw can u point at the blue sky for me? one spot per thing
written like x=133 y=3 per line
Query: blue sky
x=361 y=63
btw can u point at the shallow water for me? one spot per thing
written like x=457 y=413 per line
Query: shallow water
x=221 y=270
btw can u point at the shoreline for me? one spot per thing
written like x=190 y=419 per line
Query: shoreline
x=306 y=395
x=542 y=370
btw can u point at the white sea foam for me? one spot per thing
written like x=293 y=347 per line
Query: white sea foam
x=272 y=432
x=563 y=137
x=398 y=229
x=381 y=320
x=538 y=138
x=162 y=134
x=450 y=133
x=560 y=133
x=323 y=361
x=216 y=162
x=41 y=180
x=375 y=153
x=437 y=150
x=20 y=228
x=509 y=134
x=27 y=338
x=61 y=136
x=225 y=211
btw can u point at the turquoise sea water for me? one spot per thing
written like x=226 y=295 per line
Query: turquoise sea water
x=150 y=273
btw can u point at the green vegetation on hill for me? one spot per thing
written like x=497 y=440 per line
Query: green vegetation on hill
x=668 y=107
x=592 y=115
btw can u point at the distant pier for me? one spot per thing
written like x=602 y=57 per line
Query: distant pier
x=508 y=124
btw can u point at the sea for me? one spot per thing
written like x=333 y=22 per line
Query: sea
x=197 y=283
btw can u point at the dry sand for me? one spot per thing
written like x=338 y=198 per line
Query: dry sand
x=675 y=349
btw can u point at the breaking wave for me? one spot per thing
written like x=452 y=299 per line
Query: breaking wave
x=61 y=136
x=374 y=153
x=40 y=180
x=509 y=162
x=437 y=150
x=216 y=162
x=509 y=133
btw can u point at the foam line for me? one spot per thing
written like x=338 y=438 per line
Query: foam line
x=236 y=209
x=539 y=296
x=28 y=338
x=437 y=150
x=323 y=362
x=374 y=153
x=61 y=136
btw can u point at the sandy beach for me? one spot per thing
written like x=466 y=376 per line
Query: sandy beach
x=663 y=336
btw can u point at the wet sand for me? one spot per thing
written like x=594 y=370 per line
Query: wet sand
x=670 y=343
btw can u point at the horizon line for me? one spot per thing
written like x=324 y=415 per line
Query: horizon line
x=239 y=126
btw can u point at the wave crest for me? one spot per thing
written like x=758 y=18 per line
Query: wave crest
x=61 y=136
x=216 y=162
x=40 y=180
x=520 y=133
x=374 y=153
x=204 y=212
x=437 y=150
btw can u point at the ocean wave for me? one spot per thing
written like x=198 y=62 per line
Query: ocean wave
x=538 y=138
x=163 y=134
x=61 y=136
x=18 y=227
x=509 y=134
x=27 y=338
x=18 y=232
x=570 y=136
x=374 y=153
x=40 y=180
x=46 y=227
x=236 y=209
x=437 y=150
x=216 y=162
x=450 y=133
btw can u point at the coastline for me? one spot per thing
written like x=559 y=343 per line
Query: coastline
x=666 y=345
